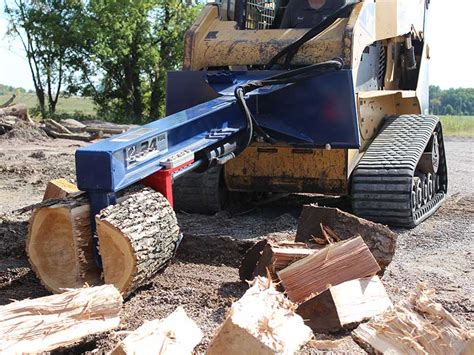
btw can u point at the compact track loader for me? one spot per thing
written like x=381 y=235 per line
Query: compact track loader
x=338 y=109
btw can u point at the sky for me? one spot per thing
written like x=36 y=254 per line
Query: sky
x=451 y=48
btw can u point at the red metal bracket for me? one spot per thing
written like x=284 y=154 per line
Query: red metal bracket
x=162 y=181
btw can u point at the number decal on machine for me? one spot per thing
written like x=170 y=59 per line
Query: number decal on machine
x=154 y=146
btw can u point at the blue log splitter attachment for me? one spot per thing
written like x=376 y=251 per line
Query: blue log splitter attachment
x=204 y=115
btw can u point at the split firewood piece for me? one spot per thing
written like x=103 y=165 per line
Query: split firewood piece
x=176 y=334
x=417 y=325
x=137 y=238
x=345 y=305
x=60 y=246
x=47 y=323
x=266 y=255
x=344 y=261
x=276 y=258
x=379 y=238
x=59 y=189
x=263 y=322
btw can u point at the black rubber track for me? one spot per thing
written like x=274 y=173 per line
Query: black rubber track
x=203 y=193
x=382 y=181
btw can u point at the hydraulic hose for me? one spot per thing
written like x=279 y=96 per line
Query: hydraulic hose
x=288 y=77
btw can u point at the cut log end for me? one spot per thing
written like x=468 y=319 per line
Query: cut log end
x=118 y=259
x=50 y=246
x=59 y=247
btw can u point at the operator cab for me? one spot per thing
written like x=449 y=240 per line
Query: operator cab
x=269 y=14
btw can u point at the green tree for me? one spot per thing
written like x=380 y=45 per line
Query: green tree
x=127 y=47
x=48 y=31
x=449 y=110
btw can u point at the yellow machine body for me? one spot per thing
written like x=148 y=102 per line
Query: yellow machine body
x=214 y=42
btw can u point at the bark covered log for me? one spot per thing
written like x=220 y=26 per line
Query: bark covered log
x=137 y=238
x=380 y=239
x=417 y=325
x=47 y=323
x=176 y=334
x=60 y=246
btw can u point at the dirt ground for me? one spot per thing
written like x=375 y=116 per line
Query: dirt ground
x=204 y=277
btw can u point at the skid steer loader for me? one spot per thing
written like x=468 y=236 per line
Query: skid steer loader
x=338 y=109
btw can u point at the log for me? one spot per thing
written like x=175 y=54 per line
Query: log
x=344 y=261
x=76 y=137
x=59 y=245
x=345 y=305
x=73 y=125
x=380 y=239
x=57 y=127
x=263 y=322
x=104 y=130
x=137 y=238
x=59 y=189
x=417 y=325
x=176 y=334
x=47 y=323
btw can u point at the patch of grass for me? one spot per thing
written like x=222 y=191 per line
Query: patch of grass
x=461 y=126
x=74 y=105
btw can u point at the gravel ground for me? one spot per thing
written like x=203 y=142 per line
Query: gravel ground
x=204 y=276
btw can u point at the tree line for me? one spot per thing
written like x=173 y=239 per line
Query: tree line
x=10 y=90
x=459 y=102
x=115 y=51
x=118 y=53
